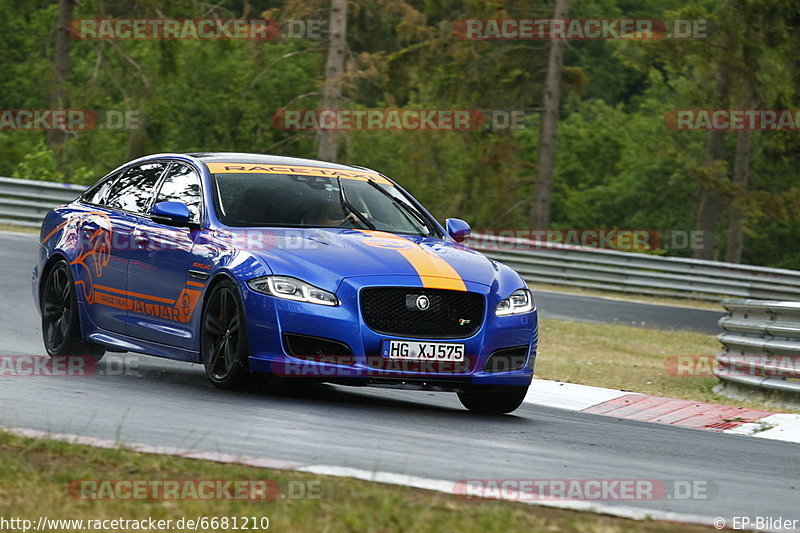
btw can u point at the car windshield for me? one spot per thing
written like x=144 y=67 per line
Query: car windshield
x=280 y=200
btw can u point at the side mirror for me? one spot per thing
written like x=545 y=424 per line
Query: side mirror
x=457 y=229
x=172 y=213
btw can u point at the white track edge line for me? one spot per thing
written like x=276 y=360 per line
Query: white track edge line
x=576 y=397
x=571 y=396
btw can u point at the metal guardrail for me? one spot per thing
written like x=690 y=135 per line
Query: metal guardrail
x=25 y=202
x=761 y=347
x=639 y=273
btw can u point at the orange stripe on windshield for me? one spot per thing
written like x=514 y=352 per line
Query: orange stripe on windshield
x=243 y=168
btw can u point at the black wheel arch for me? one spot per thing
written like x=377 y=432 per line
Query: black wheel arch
x=48 y=266
x=220 y=277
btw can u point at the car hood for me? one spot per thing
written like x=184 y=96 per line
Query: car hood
x=324 y=257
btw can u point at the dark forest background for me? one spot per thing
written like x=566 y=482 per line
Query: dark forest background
x=617 y=165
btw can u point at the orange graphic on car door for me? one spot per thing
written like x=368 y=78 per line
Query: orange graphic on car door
x=97 y=256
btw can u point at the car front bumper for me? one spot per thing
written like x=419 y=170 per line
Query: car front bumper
x=269 y=318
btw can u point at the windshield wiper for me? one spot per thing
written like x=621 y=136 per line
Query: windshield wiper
x=404 y=208
x=347 y=206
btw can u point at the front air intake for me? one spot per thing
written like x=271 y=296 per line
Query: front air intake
x=317 y=349
x=507 y=359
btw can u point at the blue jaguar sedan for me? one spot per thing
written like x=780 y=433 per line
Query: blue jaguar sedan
x=285 y=269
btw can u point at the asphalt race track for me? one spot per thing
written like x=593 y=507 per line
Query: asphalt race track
x=607 y=310
x=422 y=434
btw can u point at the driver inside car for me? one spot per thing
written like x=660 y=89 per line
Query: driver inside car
x=330 y=213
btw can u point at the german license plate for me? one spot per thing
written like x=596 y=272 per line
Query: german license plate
x=423 y=351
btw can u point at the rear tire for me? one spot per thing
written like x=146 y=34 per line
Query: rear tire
x=223 y=340
x=61 y=326
x=488 y=400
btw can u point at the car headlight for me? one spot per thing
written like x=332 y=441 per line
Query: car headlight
x=520 y=301
x=292 y=289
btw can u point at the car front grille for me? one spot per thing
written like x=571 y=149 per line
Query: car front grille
x=448 y=315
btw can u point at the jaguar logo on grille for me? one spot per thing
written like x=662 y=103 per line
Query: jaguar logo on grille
x=423 y=303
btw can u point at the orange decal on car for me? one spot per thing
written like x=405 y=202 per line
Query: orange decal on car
x=434 y=271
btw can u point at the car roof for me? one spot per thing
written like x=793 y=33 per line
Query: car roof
x=264 y=159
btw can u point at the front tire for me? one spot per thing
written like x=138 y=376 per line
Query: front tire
x=61 y=327
x=223 y=342
x=497 y=400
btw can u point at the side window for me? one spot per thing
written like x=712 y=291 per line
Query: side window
x=132 y=192
x=182 y=184
x=97 y=194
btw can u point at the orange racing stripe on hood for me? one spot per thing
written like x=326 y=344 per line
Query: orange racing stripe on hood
x=434 y=271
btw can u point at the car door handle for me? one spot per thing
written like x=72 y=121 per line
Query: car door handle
x=141 y=239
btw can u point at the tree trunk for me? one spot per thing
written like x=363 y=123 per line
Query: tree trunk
x=710 y=203
x=136 y=142
x=547 y=139
x=741 y=172
x=710 y=198
x=328 y=141
x=58 y=91
x=741 y=164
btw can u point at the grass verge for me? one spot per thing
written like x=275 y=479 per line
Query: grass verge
x=628 y=358
x=35 y=474
x=18 y=229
